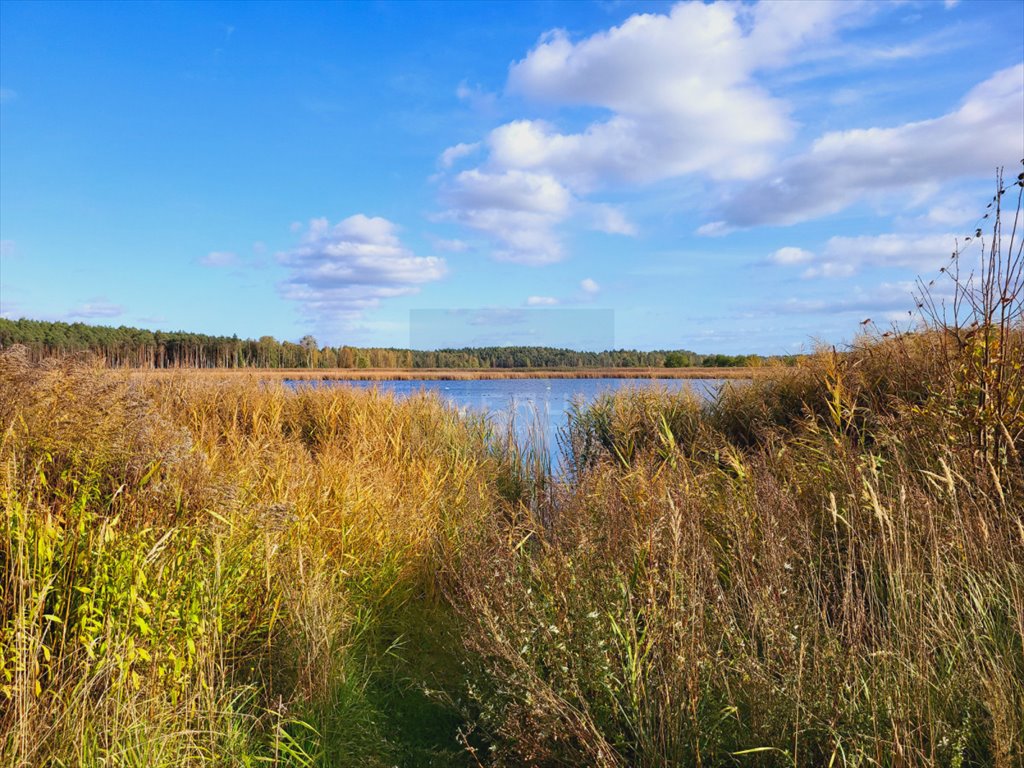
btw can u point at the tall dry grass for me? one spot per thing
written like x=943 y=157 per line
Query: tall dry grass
x=821 y=567
x=829 y=588
x=196 y=571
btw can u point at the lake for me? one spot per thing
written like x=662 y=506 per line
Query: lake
x=545 y=399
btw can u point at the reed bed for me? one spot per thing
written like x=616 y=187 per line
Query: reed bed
x=815 y=590
x=197 y=571
x=819 y=568
x=823 y=566
x=457 y=374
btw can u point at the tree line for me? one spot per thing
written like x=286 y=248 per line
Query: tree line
x=125 y=347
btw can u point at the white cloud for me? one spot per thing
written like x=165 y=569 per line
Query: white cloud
x=611 y=220
x=715 y=229
x=520 y=211
x=893 y=250
x=682 y=98
x=511 y=191
x=779 y=34
x=844 y=167
x=790 y=255
x=220 y=259
x=541 y=301
x=98 y=308
x=681 y=94
x=453 y=154
x=885 y=299
x=830 y=269
x=845 y=256
x=680 y=87
x=954 y=210
x=337 y=272
x=588 y=289
x=520 y=236
x=517 y=209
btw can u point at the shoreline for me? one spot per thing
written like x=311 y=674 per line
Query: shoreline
x=460 y=374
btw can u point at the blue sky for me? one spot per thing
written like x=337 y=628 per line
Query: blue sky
x=724 y=177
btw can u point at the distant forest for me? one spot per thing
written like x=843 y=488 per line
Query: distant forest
x=125 y=347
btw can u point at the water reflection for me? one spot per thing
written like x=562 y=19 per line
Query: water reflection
x=537 y=405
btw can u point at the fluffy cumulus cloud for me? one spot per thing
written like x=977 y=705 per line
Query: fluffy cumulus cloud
x=846 y=256
x=519 y=209
x=511 y=191
x=678 y=94
x=679 y=88
x=685 y=94
x=844 y=167
x=336 y=272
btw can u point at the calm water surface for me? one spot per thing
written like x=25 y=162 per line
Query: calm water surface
x=531 y=400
